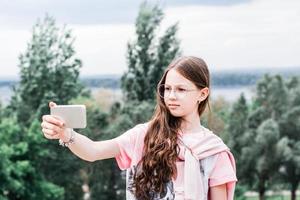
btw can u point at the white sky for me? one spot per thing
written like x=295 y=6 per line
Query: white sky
x=259 y=33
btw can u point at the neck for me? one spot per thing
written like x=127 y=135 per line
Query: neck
x=191 y=123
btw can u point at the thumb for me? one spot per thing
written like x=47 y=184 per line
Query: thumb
x=52 y=104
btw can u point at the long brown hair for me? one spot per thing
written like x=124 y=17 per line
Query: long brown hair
x=160 y=153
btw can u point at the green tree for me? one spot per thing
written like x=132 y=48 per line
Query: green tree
x=148 y=56
x=272 y=94
x=56 y=164
x=262 y=156
x=19 y=178
x=268 y=134
x=237 y=137
x=49 y=70
x=1 y=112
x=267 y=151
x=237 y=126
x=290 y=128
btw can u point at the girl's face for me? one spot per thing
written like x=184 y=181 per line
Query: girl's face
x=181 y=95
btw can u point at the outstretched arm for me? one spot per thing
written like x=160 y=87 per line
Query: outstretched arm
x=83 y=147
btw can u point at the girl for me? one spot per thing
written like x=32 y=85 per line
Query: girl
x=172 y=156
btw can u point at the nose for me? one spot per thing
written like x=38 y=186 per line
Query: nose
x=172 y=94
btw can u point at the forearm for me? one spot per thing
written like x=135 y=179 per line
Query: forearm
x=89 y=150
x=83 y=147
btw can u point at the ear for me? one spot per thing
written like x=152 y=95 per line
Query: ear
x=204 y=93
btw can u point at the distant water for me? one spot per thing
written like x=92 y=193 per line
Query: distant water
x=230 y=94
x=5 y=95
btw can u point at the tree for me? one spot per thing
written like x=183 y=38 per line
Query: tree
x=49 y=70
x=266 y=150
x=262 y=156
x=56 y=164
x=1 y=112
x=266 y=138
x=19 y=178
x=236 y=128
x=237 y=124
x=290 y=128
x=237 y=138
x=272 y=95
x=146 y=57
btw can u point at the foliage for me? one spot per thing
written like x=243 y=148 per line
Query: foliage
x=19 y=177
x=49 y=70
x=263 y=135
x=146 y=57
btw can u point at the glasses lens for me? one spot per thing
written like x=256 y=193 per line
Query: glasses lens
x=161 y=90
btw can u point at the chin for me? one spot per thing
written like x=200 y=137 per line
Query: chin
x=176 y=114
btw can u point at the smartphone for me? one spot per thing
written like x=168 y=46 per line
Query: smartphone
x=73 y=115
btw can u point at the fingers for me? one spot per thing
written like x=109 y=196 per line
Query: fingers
x=51 y=131
x=50 y=134
x=53 y=120
x=49 y=126
x=52 y=127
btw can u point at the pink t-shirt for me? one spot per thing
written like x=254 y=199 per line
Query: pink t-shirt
x=131 y=147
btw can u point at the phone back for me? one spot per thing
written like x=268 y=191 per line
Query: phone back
x=73 y=115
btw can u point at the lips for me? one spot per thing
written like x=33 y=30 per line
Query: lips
x=173 y=104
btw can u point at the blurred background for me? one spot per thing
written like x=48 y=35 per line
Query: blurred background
x=110 y=55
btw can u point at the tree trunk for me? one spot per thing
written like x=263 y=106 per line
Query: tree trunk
x=261 y=190
x=261 y=195
x=293 y=190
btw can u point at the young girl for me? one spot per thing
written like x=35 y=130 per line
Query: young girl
x=172 y=156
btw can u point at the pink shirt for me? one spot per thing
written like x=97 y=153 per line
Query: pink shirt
x=131 y=147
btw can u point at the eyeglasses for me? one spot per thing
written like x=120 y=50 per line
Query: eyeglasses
x=180 y=92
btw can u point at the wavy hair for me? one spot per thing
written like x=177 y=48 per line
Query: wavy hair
x=160 y=153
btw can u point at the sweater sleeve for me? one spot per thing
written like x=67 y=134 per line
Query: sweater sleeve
x=128 y=143
x=224 y=171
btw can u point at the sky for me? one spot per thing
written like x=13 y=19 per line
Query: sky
x=227 y=34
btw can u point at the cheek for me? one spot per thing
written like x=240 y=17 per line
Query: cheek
x=189 y=106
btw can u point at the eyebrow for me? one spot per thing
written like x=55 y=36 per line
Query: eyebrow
x=176 y=84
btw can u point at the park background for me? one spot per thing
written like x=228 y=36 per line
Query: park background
x=110 y=56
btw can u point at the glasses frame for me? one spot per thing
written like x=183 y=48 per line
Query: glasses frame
x=172 y=89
